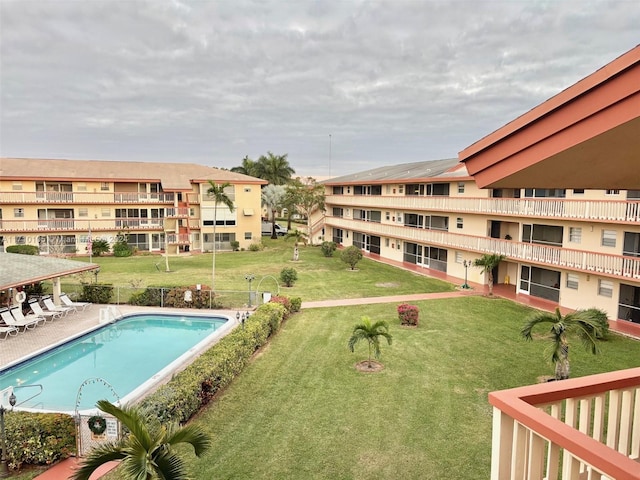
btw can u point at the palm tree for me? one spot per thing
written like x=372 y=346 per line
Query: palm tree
x=216 y=191
x=588 y=325
x=272 y=198
x=147 y=450
x=248 y=167
x=275 y=169
x=488 y=263
x=371 y=332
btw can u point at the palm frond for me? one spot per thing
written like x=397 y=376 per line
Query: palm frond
x=192 y=435
x=98 y=456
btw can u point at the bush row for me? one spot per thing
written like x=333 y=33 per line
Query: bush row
x=38 y=438
x=195 y=386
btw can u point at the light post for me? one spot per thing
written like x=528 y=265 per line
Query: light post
x=249 y=278
x=4 y=471
x=466 y=264
x=242 y=318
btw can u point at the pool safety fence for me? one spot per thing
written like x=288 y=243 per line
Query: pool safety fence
x=181 y=297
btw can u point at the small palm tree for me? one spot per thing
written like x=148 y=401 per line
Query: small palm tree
x=488 y=263
x=146 y=451
x=371 y=332
x=216 y=191
x=298 y=237
x=589 y=326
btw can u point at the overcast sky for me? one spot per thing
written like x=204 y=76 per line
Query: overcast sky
x=339 y=85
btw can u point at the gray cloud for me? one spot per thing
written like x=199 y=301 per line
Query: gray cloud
x=213 y=81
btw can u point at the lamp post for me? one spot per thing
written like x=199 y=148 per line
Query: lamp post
x=249 y=278
x=4 y=471
x=466 y=264
x=242 y=318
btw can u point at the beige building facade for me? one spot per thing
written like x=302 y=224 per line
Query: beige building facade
x=579 y=248
x=59 y=205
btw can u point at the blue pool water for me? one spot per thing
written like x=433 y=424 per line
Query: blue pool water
x=125 y=354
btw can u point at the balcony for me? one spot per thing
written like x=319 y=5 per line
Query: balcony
x=176 y=212
x=580 y=210
x=83 y=198
x=178 y=239
x=615 y=266
x=582 y=428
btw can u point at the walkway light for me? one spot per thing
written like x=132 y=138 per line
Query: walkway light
x=466 y=264
x=4 y=471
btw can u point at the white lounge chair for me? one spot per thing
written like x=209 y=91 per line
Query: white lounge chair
x=38 y=311
x=20 y=317
x=70 y=303
x=48 y=303
x=10 y=320
x=6 y=329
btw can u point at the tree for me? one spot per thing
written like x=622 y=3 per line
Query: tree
x=248 y=167
x=272 y=198
x=217 y=193
x=351 y=256
x=275 y=169
x=309 y=197
x=147 y=451
x=371 y=332
x=488 y=263
x=288 y=276
x=298 y=237
x=589 y=326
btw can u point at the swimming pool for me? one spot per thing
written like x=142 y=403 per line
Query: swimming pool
x=129 y=357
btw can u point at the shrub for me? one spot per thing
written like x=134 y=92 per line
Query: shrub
x=39 y=438
x=256 y=247
x=97 y=293
x=288 y=275
x=296 y=303
x=99 y=246
x=408 y=314
x=235 y=245
x=23 y=249
x=121 y=248
x=284 y=301
x=328 y=248
x=176 y=297
x=351 y=256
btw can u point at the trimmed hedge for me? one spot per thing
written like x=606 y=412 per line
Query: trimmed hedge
x=97 y=293
x=39 y=438
x=195 y=386
x=23 y=249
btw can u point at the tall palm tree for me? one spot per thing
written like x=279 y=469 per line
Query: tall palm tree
x=147 y=450
x=588 y=325
x=275 y=169
x=488 y=263
x=248 y=167
x=371 y=332
x=216 y=191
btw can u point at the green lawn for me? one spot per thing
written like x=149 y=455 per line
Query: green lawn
x=319 y=278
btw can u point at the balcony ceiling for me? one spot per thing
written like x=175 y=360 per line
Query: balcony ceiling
x=587 y=136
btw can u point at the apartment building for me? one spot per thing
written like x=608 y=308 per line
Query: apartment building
x=59 y=205
x=577 y=247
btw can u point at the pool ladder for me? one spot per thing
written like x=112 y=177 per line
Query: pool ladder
x=109 y=314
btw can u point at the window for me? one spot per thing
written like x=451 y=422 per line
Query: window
x=386 y=242
x=105 y=212
x=572 y=281
x=400 y=189
x=247 y=235
x=631 y=245
x=16 y=186
x=578 y=191
x=459 y=257
x=545 y=192
x=338 y=190
x=608 y=238
x=83 y=212
x=104 y=186
x=81 y=187
x=338 y=212
x=612 y=192
x=460 y=187
x=459 y=222
x=575 y=234
x=18 y=212
x=605 y=288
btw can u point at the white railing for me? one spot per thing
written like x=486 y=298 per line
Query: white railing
x=180 y=238
x=588 y=210
x=177 y=212
x=608 y=265
x=583 y=428
x=84 y=197
x=75 y=225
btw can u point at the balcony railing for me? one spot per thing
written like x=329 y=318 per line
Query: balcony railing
x=587 y=210
x=178 y=239
x=177 y=212
x=75 y=225
x=84 y=198
x=580 y=260
x=582 y=428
